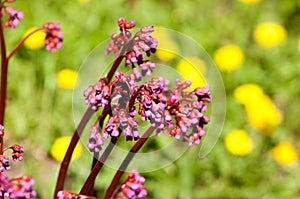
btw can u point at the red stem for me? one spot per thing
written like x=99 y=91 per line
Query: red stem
x=88 y=185
x=126 y=162
x=101 y=118
x=66 y=161
x=4 y=66
x=22 y=42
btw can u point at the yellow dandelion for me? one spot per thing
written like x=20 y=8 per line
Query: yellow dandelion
x=192 y=68
x=35 y=41
x=67 y=78
x=250 y=1
x=285 y=153
x=248 y=93
x=83 y=1
x=263 y=114
x=166 y=49
x=269 y=34
x=237 y=142
x=160 y=33
x=60 y=146
x=229 y=57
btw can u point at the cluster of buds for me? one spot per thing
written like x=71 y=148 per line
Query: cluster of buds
x=187 y=109
x=132 y=187
x=17 y=151
x=96 y=139
x=16 y=154
x=135 y=45
x=17 y=188
x=66 y=194
x=54 y=37
x=123 y=115
x=152 y=99
x=14 y=15
x=98 y=95
x=4 y=163
x=119 y=40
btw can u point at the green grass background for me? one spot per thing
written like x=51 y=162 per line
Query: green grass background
x=38 y=111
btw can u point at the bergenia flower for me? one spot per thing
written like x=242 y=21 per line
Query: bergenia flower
x=54 y=37
x=132 y=188
x=14 y=17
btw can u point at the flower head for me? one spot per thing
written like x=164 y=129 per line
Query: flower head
x=17 y=188
x=66 y=194
x=60 y=147
x=269 y=34
x=132 y=188
x=135 y=46
x=1 y=130
x=36 y=40
x=4 y=163
x=98 y=95
x=17 y=152
x=67 y=78
x=187 y=109
x=54 y=37
x=14 y=17
x=285 y=153
x=238 y=142
x=229 y=57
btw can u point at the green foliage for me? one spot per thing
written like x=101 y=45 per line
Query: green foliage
x=38 y=111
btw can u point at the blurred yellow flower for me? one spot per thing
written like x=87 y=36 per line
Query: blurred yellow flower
x=166 y=49
x=83 y=1
x=60 y=147
x=263 y=114
x=67 y=78
x=250 y=1
x=35 y=41
x=229 y=57
x=261 y=110
x=269 y=34
x=192 y=68
x=285 y=153
x=248 y=93
x=238 y=142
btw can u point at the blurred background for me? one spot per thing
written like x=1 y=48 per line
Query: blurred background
x=254 y=43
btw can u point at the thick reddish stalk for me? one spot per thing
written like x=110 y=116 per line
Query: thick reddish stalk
x=66 y=161
x=4 y=66
x=75 y=138
x=89 y=183
x=22 y=42
x=126 y=161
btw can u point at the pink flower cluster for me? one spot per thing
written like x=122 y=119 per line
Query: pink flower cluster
x=54 y=37
x=16 y=154
x=66 y=194
x=187 y=109
x=14 y=15
x=132 y=188
x=17 y=188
